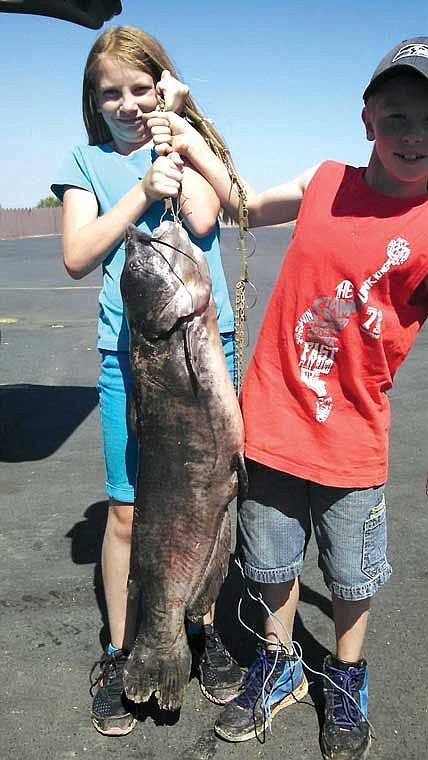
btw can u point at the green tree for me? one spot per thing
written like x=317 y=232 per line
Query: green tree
x=49 y=202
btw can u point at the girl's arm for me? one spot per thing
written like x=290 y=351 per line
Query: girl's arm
x=274 y=206
x=89 y=238
x=199 y=202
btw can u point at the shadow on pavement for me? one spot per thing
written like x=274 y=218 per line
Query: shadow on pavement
x=86 y=544
x=313 y=652
x=35 y=420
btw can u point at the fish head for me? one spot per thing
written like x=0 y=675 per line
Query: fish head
x=165 y=279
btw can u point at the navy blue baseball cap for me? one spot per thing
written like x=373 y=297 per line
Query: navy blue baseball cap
x=410 y=55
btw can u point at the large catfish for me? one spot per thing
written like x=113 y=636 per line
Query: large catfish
x=190 y=433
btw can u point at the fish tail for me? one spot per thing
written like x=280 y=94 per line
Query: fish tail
x=164 y=673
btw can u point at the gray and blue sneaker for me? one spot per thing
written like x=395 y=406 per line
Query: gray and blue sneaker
x=273 y=681
x=346 y=731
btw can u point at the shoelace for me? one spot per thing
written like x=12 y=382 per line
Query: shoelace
x=256 y=675
x=346 y=714
x=111 y=668
x=215 y=649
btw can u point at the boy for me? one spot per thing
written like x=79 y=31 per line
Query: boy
x=346 y=308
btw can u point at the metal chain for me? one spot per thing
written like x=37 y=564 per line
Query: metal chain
x=240 y=301
x=240 y=298
x=168 y=204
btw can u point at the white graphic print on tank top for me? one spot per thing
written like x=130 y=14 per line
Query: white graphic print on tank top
x=318 y=328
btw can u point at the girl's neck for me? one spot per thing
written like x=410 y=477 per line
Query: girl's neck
x=125 y=148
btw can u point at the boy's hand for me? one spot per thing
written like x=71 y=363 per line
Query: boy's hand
x=163 y=180
x=172 y=92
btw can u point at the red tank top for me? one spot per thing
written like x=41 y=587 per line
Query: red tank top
x=343 y=315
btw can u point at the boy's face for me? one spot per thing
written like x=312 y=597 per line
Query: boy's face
x=396 y=117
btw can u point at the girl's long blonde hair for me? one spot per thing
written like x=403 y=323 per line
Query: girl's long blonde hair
x=133 y=47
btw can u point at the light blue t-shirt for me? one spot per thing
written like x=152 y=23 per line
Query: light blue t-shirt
x=109 y=175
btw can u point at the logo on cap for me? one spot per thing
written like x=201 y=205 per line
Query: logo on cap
x=417 y=50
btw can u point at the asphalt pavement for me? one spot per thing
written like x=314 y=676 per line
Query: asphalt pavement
x=53 y=511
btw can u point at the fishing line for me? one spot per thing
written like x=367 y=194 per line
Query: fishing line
x=297 y=652
x=154 y=240
x=178 y=250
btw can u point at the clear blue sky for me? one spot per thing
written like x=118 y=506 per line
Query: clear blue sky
x=282 y=80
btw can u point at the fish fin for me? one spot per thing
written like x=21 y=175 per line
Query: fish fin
x=191 y=354
x=164 y=673
x=215 y=573
x=238 y=464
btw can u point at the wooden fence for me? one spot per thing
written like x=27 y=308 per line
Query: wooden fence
x=28 y=222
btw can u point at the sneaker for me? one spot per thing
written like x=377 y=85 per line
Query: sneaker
x=273 y=681
x=346 y=733
x=220 y=677
x=111 y=711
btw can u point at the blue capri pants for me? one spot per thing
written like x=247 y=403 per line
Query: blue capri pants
x=120 y=446
x=275 y=522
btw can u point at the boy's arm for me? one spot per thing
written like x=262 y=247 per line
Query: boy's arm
x=274 y=206
x=279 y=204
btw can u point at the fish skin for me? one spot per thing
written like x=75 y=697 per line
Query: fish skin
x=187 y=418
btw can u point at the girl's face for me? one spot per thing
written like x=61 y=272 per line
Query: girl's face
x=124 y=93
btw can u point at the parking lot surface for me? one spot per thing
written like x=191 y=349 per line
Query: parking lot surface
x=53 y=510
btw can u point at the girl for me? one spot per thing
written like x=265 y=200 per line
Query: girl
x=115 y=180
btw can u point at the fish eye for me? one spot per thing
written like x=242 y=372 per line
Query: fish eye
x=150 y=265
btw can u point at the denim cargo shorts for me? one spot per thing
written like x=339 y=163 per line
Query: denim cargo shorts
x=275 y=522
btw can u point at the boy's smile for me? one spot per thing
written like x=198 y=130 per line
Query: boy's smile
x=396 y=118
x=124 y=93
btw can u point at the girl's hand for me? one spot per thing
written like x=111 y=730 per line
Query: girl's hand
x=172 y=92
x=172 y=132
x=163 y=180
x=158 y=123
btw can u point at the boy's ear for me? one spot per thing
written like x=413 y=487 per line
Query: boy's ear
x=365 y=115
